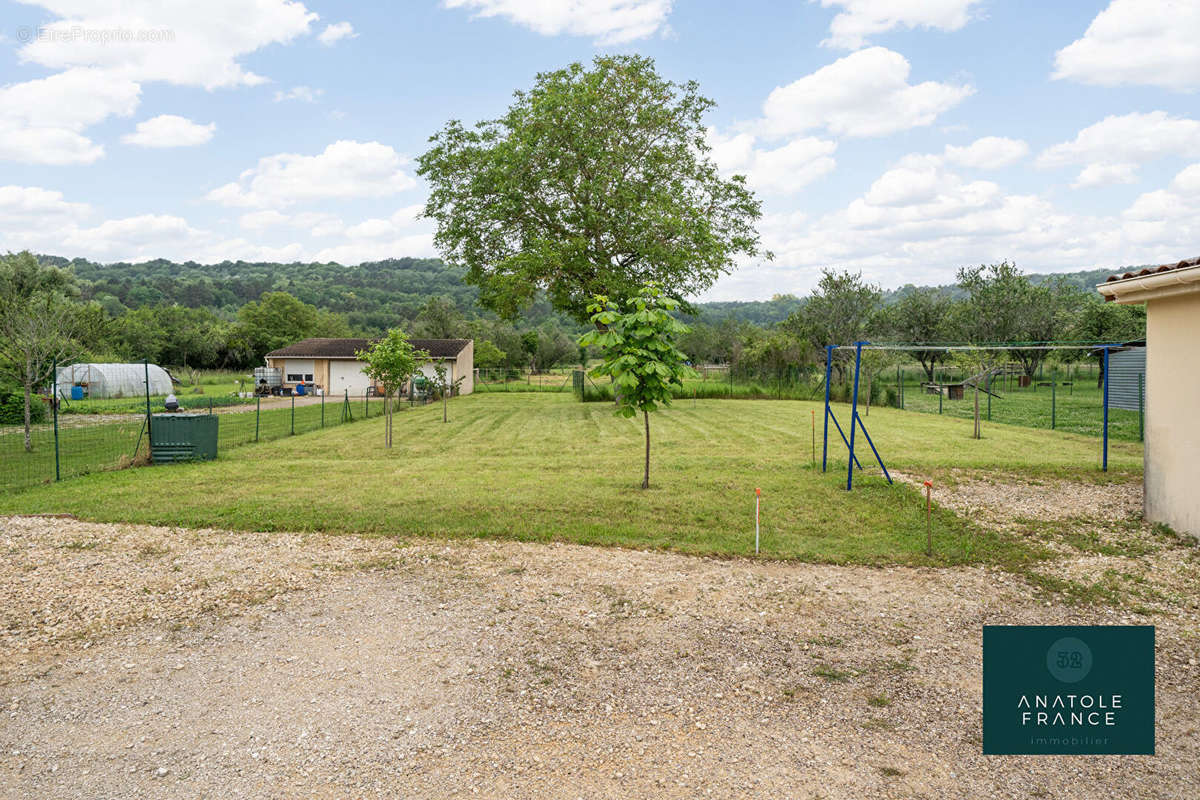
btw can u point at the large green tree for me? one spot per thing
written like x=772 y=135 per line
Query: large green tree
x=1004 y=307
x=595 y=182
x=842 y=310
x=922 y=316
x=37 y=323
x=279 y=319
x=637 y=341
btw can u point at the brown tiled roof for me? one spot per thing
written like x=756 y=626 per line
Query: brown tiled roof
x=1187 y=262
x=346 y=348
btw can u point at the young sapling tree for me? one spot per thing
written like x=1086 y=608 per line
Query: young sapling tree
x=637 y=345
x=391 y=362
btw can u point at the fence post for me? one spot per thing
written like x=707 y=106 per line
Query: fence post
x=1141 y=406
x=54 y=408
x=322 y=408
x=366 y=405
x=1104 y=454
x=293 y=415
x=257 y=412
x=1053 y=404
x=210 y=406
x=939 y=399
x=149 y=432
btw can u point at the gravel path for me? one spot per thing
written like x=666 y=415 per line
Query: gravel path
x=150 y=662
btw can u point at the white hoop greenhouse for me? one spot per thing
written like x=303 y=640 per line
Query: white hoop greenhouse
x=112 y=380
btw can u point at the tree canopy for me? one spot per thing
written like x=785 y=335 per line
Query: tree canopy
x=595 y=182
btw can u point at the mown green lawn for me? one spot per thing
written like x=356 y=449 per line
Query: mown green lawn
x=546 y=467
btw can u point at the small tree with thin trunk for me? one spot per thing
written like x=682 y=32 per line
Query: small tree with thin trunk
x=443 y=387
x=391 y=362
x=637 y=343
x=37 y=323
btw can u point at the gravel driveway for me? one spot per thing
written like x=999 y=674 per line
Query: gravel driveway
x=150 y=662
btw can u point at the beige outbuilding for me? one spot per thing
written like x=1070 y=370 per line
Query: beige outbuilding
x=1171 y=293
x=332 y=365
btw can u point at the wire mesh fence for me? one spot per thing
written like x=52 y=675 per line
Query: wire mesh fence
x=69 y=445
x=501 y=379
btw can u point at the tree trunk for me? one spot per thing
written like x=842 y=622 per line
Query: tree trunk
x=977 y=436
x=387 y=408
x=646 y=474
x=28 y=409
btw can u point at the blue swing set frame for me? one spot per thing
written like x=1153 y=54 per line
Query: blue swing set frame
x=856 y=423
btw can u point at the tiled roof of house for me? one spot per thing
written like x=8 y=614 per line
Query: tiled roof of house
x=1187 y=262
x=346 y=348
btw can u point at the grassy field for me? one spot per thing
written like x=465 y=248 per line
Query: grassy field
x=546 y=467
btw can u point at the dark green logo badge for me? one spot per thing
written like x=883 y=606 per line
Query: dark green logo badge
x=1068 y=689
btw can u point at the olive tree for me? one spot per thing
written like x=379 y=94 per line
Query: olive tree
x=391 y=362
x=593 y=183
x=637 y=344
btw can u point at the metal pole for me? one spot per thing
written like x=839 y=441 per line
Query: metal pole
x=146 y=367
x=854 y=414
x=293 y=415
x=257 y=414
x=1141 y=406
x=322 y=409
x=825 y=434
x=54 y=408
x=1053 y=405
x=1104 y=458
x=939 y=399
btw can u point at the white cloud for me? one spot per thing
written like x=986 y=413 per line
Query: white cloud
x=782 y=170
x=21 y=206
x=187 y=44
x=607 y=21
x=316 y=223
x=866 y=93
x=335 y=33
x=1128 y=138
x=305 y=94
x=1137 y=43
x=1112 y=148
x=919 y=221
x=990 y=152
x=170 y=130
x=1102 y=174
x=107 y=49
x=41 y=121
x=344 y=169
x=859 y=19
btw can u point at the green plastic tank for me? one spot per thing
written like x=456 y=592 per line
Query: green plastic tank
x=183 y=437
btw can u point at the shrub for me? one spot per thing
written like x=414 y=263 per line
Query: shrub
x=12 y=407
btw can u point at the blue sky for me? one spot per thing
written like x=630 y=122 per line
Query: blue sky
x=902 y=138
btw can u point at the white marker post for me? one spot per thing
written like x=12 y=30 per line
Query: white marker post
x=757 y=500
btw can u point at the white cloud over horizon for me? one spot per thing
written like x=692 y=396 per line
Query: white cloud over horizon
x=864 y=94
x=170 y=130
x=859 y=19
x=345 y=169
x=1137 y=43
x=606 y=21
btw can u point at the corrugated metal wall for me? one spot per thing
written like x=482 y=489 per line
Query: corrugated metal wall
x=1125 y=366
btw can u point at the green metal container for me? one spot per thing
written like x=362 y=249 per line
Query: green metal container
x=183 y=437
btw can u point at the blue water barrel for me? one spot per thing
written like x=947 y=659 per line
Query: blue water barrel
x=76 y=392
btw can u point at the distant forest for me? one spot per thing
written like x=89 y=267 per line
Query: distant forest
x=376 y=295
x=231 y=314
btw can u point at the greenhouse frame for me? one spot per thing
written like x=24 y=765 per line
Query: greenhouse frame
x=112 y=380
